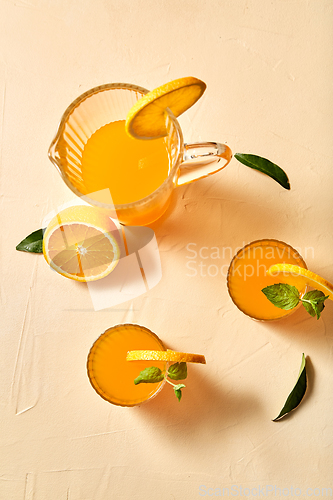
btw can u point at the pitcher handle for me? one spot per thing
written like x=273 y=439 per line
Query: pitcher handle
x=202 y=159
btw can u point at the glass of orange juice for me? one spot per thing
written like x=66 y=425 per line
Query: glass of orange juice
x=247 y=277
x=133 y=179
x=112 y=376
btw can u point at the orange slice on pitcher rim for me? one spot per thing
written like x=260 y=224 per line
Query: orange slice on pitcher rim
x=168 y=355
x=80 y=243
x=308 y=277
x=146 y=119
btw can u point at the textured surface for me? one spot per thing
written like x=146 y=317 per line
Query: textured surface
x=268 y=69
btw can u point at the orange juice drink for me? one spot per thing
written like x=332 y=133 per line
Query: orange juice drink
x=112 y=376
x=131 y=169
x=247 y=277
x=97 y=156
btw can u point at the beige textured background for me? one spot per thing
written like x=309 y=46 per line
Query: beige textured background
x=268 y=66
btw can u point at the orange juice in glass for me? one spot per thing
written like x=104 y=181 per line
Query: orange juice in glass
x=132 y=179
x=112 y=376
x=247 y=277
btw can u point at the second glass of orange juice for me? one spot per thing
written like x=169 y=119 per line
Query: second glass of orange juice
x=247 y=277
x=112 y=376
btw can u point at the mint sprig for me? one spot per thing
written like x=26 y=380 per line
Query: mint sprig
x=287 y=297
x=153 y=375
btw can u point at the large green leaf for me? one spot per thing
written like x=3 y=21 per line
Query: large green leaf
x=265 y=166
x=32 y=243
x=297 y=394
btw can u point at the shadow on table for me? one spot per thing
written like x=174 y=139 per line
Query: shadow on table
x=237 y=212
x=206 y=404
x=304 y=330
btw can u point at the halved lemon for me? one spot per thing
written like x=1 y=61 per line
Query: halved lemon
x=146 y=119
x=168 y=355
x=80 y=243
x=307 y=276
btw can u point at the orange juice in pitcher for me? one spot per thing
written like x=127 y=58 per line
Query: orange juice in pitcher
x=131 y=169
x=131 y=178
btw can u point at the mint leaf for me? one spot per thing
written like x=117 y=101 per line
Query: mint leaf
x=310 y=309
x=178 y=390
x=178 y=371
x=32 y=243
x=297 y=394
x=313 y=301
x=150 y=375
x=282 y=295
x=265 y=166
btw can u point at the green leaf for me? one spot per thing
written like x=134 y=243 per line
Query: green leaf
x=310 y=309
x=265 y=166
x=313 y=301
x=150 y=375
x=282 y=295
x=297 y=394
x=178 y=371
x=32 y=243
x=178 y=390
